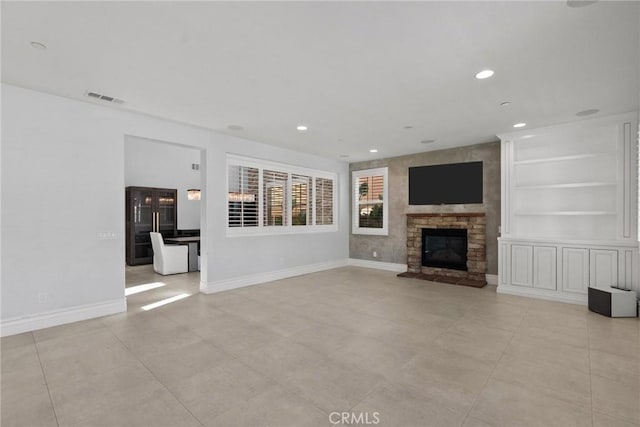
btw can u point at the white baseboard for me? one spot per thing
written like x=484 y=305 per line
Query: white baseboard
x=18 y=325
x=379 y=265
x=542 y=294
x=255 y=279
x=492 y=279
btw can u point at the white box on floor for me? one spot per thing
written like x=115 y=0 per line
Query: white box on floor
x=613 y=302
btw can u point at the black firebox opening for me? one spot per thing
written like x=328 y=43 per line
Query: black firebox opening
x=444 y=248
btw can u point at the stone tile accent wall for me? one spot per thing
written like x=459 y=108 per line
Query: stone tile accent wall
x=393 y=248
x=475 y=224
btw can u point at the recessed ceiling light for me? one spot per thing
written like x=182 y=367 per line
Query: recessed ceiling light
x=587 y=112
x=235 y=127
x=302 y=128
x=427 y=141
x=38 y=45
x=484 y=74
x=373 y=150
x=519 y=125
x=580 y=3
x=505 y=104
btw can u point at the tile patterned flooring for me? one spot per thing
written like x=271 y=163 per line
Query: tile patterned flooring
x=291 y=352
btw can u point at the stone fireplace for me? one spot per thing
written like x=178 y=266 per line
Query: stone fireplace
x=440 y=226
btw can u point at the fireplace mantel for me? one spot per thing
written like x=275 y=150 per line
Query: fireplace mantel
x=445 y=214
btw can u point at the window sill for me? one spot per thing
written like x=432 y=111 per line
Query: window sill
x=371 y=231
x=279 y=231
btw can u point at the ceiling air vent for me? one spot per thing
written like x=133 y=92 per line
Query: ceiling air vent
x=104 y=97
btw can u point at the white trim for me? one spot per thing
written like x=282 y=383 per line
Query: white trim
x=572 y=243
x=238 y=160
x=378 y=265
x=492 y=279
x=277 y=230
x=269 y=276
x=540 y=294
x=48 y=319
x=355 y=195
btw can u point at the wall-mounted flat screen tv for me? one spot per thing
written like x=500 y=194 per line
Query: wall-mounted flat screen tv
x=452 y=183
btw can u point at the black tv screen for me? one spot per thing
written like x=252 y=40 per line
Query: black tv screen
x=446 y=184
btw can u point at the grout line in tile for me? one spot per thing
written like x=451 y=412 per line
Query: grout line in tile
x=157 y=379
x=495 y=366
x=44 y=375
x=590 y=374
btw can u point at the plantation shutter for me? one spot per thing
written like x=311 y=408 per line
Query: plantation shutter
x=242 y=196
x=370 y=201
x=301 y=203
x=275 y=198
x=324 y=201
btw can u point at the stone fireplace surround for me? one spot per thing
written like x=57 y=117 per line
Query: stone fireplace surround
x=474 y=223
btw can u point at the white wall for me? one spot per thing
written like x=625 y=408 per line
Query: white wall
x=63 y=184
x=149 y=163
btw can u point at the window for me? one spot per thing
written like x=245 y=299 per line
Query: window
x=370 y=207
x=324 y=201
x=243 y=196
x=272 y=198
x=275 y=197
x=300 y=206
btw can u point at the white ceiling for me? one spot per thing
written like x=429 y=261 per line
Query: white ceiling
x=356 y=73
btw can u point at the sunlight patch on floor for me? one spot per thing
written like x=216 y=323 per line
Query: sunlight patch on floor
x=141 y=288
x=164 y=302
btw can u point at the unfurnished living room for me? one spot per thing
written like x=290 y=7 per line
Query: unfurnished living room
x=320 y=213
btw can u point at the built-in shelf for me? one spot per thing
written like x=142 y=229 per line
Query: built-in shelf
x=569 y=217
x=566 y=213
x=567 y=185
x=562 y=158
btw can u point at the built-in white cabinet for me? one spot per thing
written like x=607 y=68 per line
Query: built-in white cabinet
x=569 y=209
x=563 y=272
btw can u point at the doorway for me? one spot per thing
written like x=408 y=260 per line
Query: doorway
x=171 y=178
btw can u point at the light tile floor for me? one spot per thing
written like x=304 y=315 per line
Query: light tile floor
x=291 y=352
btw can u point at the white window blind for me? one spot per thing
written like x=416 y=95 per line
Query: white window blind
x=275 y=198
x=324 y=201
x=370 y=213
x=265 y=197
x=242 y=196
x=301 y=187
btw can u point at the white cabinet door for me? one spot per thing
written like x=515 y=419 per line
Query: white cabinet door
x=575 y=270
x=603 y=268
x=521 y=265
x=544 y=267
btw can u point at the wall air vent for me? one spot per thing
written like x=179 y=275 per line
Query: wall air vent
x=101 y=97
